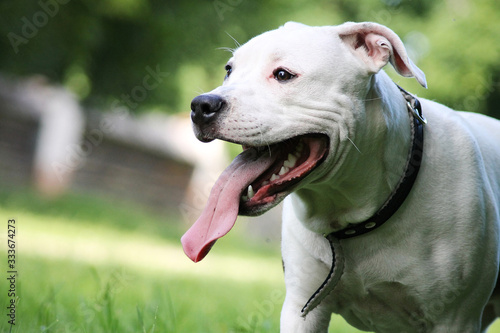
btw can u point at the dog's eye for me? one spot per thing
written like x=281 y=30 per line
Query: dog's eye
x=229 y=70
x=283 y=75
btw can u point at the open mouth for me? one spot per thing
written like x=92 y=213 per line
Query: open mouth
x=294 y=159
x=257 y=179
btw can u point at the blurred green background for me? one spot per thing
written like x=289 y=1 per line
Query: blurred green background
x=89 y=262
x=100 y=48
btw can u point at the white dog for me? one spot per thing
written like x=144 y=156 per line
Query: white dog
x=323 y=126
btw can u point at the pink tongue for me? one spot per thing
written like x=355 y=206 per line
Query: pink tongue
x=221 y=210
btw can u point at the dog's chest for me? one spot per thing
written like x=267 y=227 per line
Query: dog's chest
x=378 y=306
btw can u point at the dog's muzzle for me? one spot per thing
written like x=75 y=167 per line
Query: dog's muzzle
x=258 y=178
x=205 y=109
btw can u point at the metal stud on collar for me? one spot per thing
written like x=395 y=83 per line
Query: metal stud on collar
x=360 y=229
x=370 y=225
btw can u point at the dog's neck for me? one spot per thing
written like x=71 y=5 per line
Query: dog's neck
x=371 y=166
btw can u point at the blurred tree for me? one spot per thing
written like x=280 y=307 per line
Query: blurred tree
x=157 y=53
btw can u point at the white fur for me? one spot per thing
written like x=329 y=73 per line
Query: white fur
x=433 y=266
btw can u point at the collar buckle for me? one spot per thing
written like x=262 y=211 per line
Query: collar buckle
x=415 y=107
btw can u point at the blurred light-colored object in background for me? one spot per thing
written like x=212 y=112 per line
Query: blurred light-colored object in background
x=49 y=142
x=60 y=126
x=173 y=135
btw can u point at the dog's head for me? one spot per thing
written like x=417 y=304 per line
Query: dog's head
x=289 y=98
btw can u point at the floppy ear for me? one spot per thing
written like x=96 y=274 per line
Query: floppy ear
x=376 y=45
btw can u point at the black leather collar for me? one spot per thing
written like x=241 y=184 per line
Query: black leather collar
x=406 y=182
x=390 y=207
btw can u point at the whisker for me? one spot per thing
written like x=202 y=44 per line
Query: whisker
x=228 y=49
x=354 y=145
x=264 y=141
x=234 y=39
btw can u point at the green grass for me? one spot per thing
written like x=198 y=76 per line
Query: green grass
x=109 y=268
x=62 y=296
x=88 y=265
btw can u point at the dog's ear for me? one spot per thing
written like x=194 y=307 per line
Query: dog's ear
x=376 y=45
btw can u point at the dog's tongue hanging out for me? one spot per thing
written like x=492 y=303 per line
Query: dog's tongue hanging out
x=221 y=211
x=292 y=159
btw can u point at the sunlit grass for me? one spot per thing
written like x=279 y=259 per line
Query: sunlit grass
x=83 y=271
x=76 y=276
x=55 y=238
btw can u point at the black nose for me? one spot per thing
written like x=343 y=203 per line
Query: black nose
x=205 y=108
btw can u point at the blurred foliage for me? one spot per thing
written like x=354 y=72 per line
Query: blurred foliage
x=104 y=50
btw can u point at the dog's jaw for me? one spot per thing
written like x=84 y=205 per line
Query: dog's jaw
x=297 y=158
x=270 y=172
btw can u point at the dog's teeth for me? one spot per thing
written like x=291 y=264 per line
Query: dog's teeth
x=290 y=162
x=250 y=192
x=283 y=170
x=264 y=183
x=244 y=198
x=274 y=177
